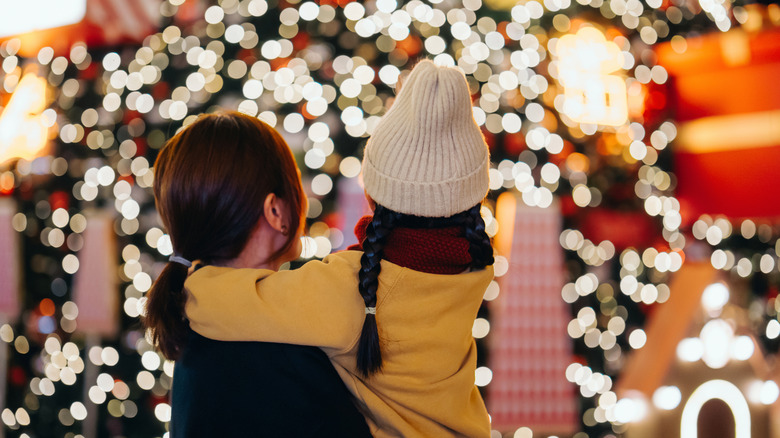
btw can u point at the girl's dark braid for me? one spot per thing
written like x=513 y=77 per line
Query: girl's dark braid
x=369 y=355
x=479 y=243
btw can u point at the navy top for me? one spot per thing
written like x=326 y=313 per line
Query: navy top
x=256 y=389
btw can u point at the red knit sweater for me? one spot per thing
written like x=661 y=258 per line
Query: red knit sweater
x=435 y=250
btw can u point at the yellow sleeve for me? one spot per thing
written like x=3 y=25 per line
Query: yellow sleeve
x=317 y=304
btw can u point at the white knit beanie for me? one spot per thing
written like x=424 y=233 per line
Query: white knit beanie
x=427 y=156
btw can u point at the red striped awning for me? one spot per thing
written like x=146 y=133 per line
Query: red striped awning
x=105 y=23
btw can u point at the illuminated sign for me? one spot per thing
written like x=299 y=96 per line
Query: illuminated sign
x=29 y=15
x=716 y=389
x=23 y=129
x=593 y=93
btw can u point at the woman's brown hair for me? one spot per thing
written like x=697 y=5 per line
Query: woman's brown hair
x=211 y=181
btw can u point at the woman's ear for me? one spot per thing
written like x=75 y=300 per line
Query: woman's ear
x=275 y=211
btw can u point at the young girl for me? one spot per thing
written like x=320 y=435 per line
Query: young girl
x=395 y=318
x=228 y=192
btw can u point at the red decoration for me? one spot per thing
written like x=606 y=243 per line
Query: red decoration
x=623 y=228
x=59 y=199
x=89 y=73
x=514 y=144
x=411 y=45
x=300 y=41
x=17 y=376
x=530 y=349
x=161 y=90
x=655 y=105
x=725 y=161
x=141 y=146
x=738 y=183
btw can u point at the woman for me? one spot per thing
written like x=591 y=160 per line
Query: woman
x=396 y=316
x=229 y=194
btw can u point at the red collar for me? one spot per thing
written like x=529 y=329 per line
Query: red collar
x=435 y=250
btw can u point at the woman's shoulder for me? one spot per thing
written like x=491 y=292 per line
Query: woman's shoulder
x=209 y=353
x=251 y=385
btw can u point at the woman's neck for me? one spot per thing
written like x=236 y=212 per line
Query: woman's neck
x=259 y=252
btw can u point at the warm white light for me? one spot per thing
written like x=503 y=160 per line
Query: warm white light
x=769 y=392
x=29 y=15
x=716 y=336
x=742 y=348
x=308 y=247
x=667 y=397
x=773 y=329
x=629 y=410
x=523 y=432
x=22 y=127
x=714 y=297
x=690 y=349
x=78 y=411
x=483 y=376
x=637 y=339
x=586 y=66
x=571 y=371
x=722 y=390
x=163 y=412
x=480 y=328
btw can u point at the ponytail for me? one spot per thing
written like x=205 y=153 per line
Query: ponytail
x=369 y=355
x=165 y=310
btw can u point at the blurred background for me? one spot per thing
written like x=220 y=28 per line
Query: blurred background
x=634 y=196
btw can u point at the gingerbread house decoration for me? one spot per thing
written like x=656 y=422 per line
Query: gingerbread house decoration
x=701 y=372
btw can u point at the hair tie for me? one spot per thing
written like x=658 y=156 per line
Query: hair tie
x=181 y=260
x=370 y=310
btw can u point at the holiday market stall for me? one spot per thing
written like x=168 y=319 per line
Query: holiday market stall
x=633 y=204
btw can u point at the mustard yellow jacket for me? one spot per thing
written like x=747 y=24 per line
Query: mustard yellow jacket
x=426 y=385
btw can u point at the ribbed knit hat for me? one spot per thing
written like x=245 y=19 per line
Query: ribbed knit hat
x=427 y=156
